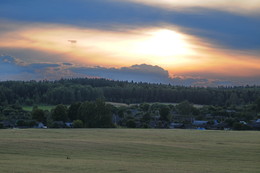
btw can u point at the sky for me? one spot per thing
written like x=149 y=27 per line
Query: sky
x=188 y=42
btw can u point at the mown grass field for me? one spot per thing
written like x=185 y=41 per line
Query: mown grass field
x=128 y=150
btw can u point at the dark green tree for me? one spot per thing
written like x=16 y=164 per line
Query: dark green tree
x=144 y=107
x=258 y=104
x=146 y=117
x=186 y=110
x=165 y=113
x=86 y=113
x=103 y=115
x=73 y=111
x=59 y=113
x=95 y=114
x=38 y=115
x=130 y=123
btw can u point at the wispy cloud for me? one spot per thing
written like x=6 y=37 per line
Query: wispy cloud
x=249 y=7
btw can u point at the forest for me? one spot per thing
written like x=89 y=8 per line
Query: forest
x=92 y=103
x=68 y=91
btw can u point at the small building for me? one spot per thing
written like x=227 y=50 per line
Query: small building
x=216 y=122
x=8 y=124
x=68 y=124
x=41 y=126
x=243 y=122
x=220 y=126
x=201 y=128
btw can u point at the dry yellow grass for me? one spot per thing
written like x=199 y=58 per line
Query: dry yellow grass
x=128 y=150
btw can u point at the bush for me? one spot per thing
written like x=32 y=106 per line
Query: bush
x=21 y=123
x=130 y=123
x=240 y=126
x=145 y=125
x=77 y=124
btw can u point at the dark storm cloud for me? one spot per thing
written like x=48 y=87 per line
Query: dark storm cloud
x=14 y=69
x=8 y=66
x=136 y=73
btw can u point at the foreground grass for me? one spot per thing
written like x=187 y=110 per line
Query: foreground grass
x=128 y=150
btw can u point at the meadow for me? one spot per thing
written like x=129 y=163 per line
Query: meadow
x=128 y=150
x=43 y=107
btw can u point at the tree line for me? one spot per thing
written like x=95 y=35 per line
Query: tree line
x=89 y=114
x=68 y=91
x=99 y=114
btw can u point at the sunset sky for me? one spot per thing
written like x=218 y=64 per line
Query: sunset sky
x=188 y=42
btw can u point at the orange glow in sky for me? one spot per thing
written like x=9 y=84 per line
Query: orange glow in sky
x=177 y=52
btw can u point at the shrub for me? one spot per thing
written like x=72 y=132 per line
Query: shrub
x=77 y=124
x=130 y=123
x=240 y=126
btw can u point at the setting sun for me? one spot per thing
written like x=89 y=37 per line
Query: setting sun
x=163 y=43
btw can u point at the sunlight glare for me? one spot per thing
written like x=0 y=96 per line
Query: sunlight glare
x=163 y=43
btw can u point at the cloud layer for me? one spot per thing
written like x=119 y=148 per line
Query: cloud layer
x=14 y=69
x=195 y=39
x=181 y=54
x=221 y=27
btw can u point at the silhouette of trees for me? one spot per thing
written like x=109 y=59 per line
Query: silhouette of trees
x=68 y=91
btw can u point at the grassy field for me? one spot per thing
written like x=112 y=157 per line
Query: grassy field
x=128 y=150
x=50 y=107
x=43 y=107
x=127 y=105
